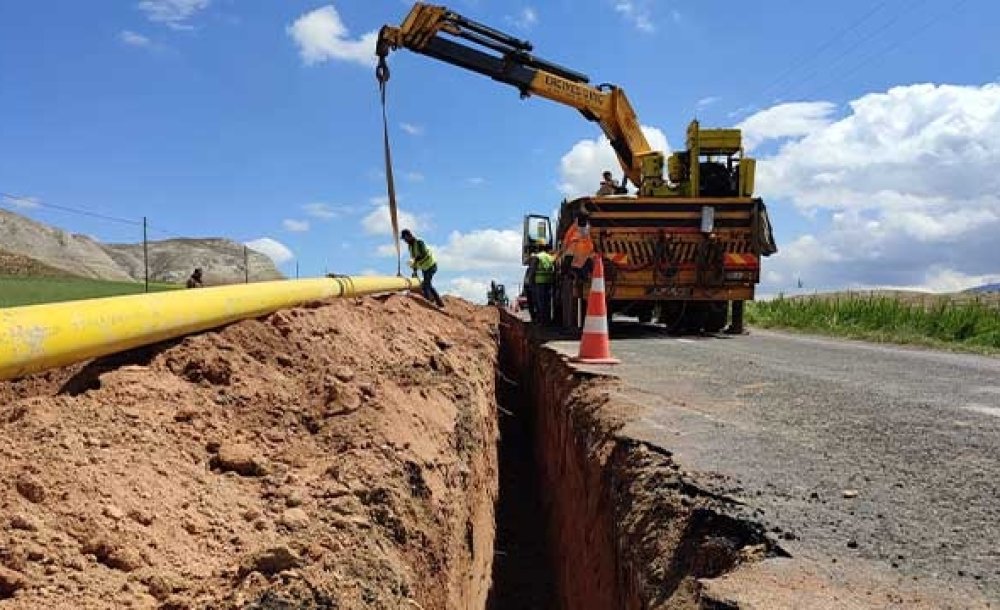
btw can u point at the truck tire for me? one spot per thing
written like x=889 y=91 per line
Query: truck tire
x=716 y=316
x=736 y=326
x=643 y=312
x=694 y=317
x=672 y=315
x=568 y=305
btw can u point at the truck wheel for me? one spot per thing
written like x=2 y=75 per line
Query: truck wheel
x=736 y=326
x=568 y=305
x=672 y=315
x=694 y=317
x=717 y=313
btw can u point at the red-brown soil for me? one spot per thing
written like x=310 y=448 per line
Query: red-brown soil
x=341 y=455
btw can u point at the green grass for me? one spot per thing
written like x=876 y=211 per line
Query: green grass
x=16 y=291
x=965 y=324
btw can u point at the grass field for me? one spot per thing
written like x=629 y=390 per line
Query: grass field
x=963 y=322
x=19 y=290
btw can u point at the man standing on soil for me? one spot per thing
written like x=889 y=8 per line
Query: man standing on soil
x=421 y=258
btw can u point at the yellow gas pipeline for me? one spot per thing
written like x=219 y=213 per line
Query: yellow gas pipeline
x=39 y=337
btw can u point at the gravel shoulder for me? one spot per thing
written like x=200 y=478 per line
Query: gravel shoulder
x=879 y=464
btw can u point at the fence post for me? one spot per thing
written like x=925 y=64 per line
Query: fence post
x=145 y=252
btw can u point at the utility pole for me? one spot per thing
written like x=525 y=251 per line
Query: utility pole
x=296 y=269
x=145 y=251
x=246 y=266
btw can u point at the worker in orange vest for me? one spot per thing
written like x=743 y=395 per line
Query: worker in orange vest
x=577 y=244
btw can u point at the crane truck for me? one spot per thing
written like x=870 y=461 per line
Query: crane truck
x=683 y=248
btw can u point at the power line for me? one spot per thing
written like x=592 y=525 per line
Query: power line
x=34 y=203
x=871 y=35
x=804 y=59
x=892 y=46
x=31 y=202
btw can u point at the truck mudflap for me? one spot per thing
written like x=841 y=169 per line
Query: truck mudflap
x=764 y=235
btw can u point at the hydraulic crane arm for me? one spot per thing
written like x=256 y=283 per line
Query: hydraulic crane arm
x=509 y=60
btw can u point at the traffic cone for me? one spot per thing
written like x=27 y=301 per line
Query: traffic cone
x=595 y=346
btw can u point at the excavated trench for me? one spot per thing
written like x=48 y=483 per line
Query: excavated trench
x=321 y=458
x=623 y=527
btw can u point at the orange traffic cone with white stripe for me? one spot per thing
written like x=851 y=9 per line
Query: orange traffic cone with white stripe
x=595 y=346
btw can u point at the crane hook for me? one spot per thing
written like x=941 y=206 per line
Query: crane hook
x=382 y=70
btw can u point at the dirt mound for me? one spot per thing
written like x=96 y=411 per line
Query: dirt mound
x=341 y=455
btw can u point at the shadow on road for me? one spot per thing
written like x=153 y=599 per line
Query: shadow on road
x=625 y=330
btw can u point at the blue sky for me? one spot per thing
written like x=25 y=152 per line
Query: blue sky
x=222 y=118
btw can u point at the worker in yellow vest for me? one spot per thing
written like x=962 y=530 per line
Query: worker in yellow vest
x=422 y=258
x=541 y=277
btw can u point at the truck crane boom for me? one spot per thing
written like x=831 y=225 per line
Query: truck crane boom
x=507 y=59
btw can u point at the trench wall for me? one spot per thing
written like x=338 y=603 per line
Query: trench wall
x=627 y=529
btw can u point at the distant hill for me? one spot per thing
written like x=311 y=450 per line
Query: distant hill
x=985 y=288
x=76 y=254
x=19 y=265
x=30 y=244
x=172 y=260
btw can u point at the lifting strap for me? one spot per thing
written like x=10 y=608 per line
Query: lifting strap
x=382 y=74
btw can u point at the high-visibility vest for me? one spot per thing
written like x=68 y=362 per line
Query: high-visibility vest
x=578 y=245
x=545 y=269
x=422 y=257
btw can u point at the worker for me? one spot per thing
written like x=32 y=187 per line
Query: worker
x=195 y=280
x=609 y=186
x=577 y=245
x=421 y=258
x=541 y=276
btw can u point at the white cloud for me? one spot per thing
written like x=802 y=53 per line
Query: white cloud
x=326 y=211
x=470 y=289
x=414 y=176
x=133 y=39
x=25 y=203
x=580 y=169
x=705 y=102
x=480 y=250
x=637 y=12
x=321 y=36
x=904 y=190
x=526 y=19
x=475 y=181
x=941 y=279
x=377 y=222
x=786 y=121
x=481 y=256
x=272 y=248
x=295 y=226
x=413 y=130
x=172 y=13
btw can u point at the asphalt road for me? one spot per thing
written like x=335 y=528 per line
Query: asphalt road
x=795 y=426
